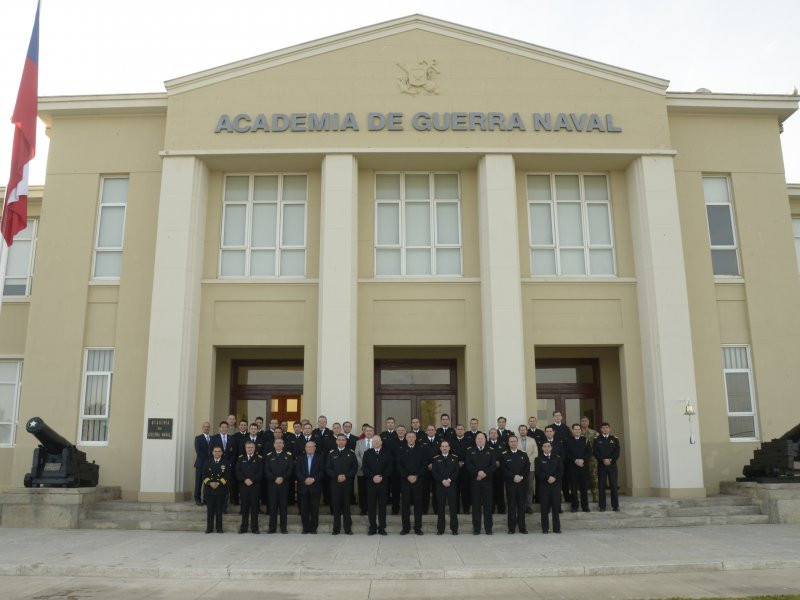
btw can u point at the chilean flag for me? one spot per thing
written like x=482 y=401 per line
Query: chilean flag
x=15 y=209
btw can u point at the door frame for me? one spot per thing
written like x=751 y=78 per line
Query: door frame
x=261 y=392
x=558 y=391
x=391 y=392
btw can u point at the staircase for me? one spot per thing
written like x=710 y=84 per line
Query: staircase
x=634 y=512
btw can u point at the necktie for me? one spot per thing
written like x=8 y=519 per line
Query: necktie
x=207 y=438
x=249 y=456
x=224 y=442
x=369 y=443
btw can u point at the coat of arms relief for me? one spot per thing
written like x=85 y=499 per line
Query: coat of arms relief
x=418 y=78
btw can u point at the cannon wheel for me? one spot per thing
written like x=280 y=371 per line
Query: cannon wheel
x=27 y=482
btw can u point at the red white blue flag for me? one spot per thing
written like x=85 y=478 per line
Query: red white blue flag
x=15 y=208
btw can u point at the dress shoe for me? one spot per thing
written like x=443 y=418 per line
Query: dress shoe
x=242 y=530
x=256 y=531
x=556 y=531
x=510 y=532
x=219 y=530
x=440 y=533
x=284 y=531
x=198 y=503
x=371 y=532
x=454 y=532
x=209 y=531
x=348 y=532
x=528 y=511
x=334 y=532
x=488 y=533
x=313 y=532
x=382 y=532
x=476 y=532
x=305 y=531
x=363 y=513
x=525 y=531
x=602 y=509
x=586 y=510
x=405 y=532
x=418 y=531
x=273 y=531
x=615 y=509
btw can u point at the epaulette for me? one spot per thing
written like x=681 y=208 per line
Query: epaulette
x=330 y=451
x=270 y=453
x=504 y=452
x=241 y=456
x=288 y=454
x=454 y=455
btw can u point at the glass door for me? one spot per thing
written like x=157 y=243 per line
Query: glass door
x=415 y=388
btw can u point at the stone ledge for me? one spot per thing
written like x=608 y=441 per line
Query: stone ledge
x=780 y=501
x=55 y=508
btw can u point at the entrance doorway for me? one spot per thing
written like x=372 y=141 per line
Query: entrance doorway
x=405 y=389
x=272 y=389
x=571 y=386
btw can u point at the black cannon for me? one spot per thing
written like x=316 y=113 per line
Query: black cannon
x=777 y=461
x=56 y=462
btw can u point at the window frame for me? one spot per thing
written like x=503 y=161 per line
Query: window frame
x=796 y=238
x=587 y=246
x=31 y=268
x=247 y=247
x=402 y=246
x=17 y=395
x=729 y=204
x=751 y=382
x=105 y=417
x=109 y=249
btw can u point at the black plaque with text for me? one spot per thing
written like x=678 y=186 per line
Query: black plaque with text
x=159 y=429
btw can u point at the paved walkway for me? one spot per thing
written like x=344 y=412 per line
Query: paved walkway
x=183 y=555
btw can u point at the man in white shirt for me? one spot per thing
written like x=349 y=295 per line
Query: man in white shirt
x=361 y=447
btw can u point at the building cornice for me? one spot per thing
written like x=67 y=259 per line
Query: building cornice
x=101 y=104
x=778 y=105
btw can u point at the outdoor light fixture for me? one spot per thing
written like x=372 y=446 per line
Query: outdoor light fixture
x=689 y=411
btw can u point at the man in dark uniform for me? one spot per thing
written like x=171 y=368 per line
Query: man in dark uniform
x=535 y=433
x=459 y=447
x=498 y=488
x=250 y=472
x=252 y=436
x=278 y=473
x=377 y=466
x=578 y=452
x=516 y=469
x=288 y=435
x=229 y=448
x=216 y=474
x=606 y=451
x=446 y=432
x=395 y=443
x=341 y=468
x=481 y=465
x=502 y=432
x=308 y=469
x=549 y=472
x=430 y=443
x=562 y=433
x=445 y=477
x=202 y=452
x=411 y=466
x=237 y=437
x=473 y=430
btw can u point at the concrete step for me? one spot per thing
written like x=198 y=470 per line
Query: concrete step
x=721 y=500
x=719 y=511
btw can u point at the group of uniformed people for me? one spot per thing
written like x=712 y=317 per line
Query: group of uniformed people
x=449 y=469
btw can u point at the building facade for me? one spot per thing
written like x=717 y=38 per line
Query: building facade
x=404 y=220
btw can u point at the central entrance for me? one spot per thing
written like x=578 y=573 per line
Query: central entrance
x=570 y=386
x=405 y=389
x=272 y=389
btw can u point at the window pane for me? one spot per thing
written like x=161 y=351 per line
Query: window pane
x=601 y=262
x=263 y=226
x=8 y=393
x=742 y=427
x=96 y=395
x=270 y=376
x=387 y=187
x=577 y=374
x=447 y=223
x=797 y=250
x=388 y=215
x=417 y=187
x=715 y=189
x=100 y=360
x=720 y=226
x=724 y=262
x=543 y=262
x=387 y=262
x=448 y=261
x=265 y=188
x=262 y=263
x=115 y=190
x=293 y=263
x=15 y=287
x=5 y=434
x=294 y=187
x=233 y=226
x=541 y=224
x=572 y=262
x=94 y=430
x=446 y=186
x=112 y=222
x=570 y=232
x=418 y=262
x=595 y=187
x=236 y=188
x=538 y=187
x=415 y=377
x=418 y=224
x=25 y=234
x=795 y=227
x=735 y=357
x=107 y=263
x=232 y=263
x=599 y=224
x=738 y=386
x=567 y=187
x=8 y=372
x=293 y=225
x=19 y=259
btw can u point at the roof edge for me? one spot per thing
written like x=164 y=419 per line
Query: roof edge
x=780 y=105
x=56 y=106
x=383 y=29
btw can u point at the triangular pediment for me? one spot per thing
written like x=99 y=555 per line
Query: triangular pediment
x=415 y=23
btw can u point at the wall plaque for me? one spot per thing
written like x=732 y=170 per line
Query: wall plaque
x=159 y=429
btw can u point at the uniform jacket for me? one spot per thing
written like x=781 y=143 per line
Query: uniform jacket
x=478 y=460
x=229 y=452
x=300 y=444
x=576 y=449
x=259 y=442
x=503 y=436
x=606 y=448
x=219 y=472
x=341 y=462
x=252 y=469
x=377 y=463
x=549 y=466
x=538 y=435
x=445 y=467
x=460 y=447
x=561 y=432
x=301 y=472
x=411 y=461
x=515 y=463
x=448 y=434
x=202 y=450
x=351 y=441
x=557 y=444
x=431 y=448
x=278 y=465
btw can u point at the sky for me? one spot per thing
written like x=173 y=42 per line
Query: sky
x=111 y=46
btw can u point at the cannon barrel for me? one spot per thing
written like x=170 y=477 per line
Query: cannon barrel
x=793 y=434
x=52 y=442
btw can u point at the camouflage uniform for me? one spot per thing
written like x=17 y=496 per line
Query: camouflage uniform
x=590 y=435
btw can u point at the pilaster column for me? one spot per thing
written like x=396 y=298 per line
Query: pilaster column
x=337 y=341
x=501 y=292
x=174 y=325
x=676 y=466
